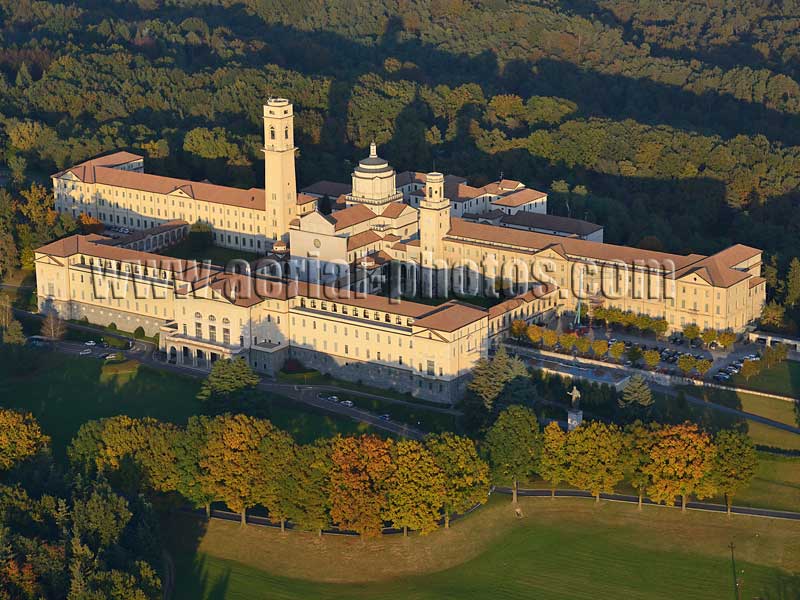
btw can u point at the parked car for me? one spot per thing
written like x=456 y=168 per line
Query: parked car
x=85 y=352
x=385 y=417
x=347 y=403
x=90 y=343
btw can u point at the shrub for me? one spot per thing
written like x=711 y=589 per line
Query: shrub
x=112 y=326
x=138 y=332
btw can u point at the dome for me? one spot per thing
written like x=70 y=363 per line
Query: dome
x=373 y=164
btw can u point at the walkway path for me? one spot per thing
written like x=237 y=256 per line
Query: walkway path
x=704 y=506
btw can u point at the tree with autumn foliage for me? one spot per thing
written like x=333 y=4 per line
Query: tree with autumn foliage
x=310 y=486
x=594 y=455
x=638 y=440
x=599 y=348
x=534 y=333
x=726 y=339
x=735 y=463
x=415 y=489
x=554 y=463
x=681 y=459
x=231 y=461
x=191 y=481
x=549 y=338
x=466 y=475
x=518 y=327
x=361 y=468
x=514 y=446
x=276 y=470
x=21 y=438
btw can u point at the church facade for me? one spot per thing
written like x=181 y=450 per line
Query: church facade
x=455 y=236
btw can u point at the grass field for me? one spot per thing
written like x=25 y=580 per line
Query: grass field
x=63 y=392
x=783 y=378
x=216 y=254
x=561 y=549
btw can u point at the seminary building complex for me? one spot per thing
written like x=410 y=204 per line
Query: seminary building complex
x=335 y=312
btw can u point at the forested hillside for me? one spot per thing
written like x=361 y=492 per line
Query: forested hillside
x=676 y=124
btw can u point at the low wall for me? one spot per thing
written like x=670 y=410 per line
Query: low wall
x=382 y=376
x=125 y=321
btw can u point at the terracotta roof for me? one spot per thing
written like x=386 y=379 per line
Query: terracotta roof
x=305 y=198
x=534 y=242
x=508 y=184
x=754 y=281
x=334 y=189
x=158 y=184
x=519 y=198
x=390 y=237
x=551 y=222
x=451 y=316
x=737 y=254
x=352 y=215
x=394 y=210
x=536 y=292
x=354 y=242
x=407 y=177
x=713 y=270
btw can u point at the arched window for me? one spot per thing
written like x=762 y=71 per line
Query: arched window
x=197 y=315
x=226 y=321
x=272 y=133
x=212 y=318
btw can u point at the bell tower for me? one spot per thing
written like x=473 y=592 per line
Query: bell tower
x=434 y=220
x=280 y=185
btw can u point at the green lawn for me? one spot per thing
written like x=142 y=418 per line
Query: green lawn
x=415 y=416
x=63 y=392
x=708 y=417
x=783 y=378
x=560 y=550
x=216 y=254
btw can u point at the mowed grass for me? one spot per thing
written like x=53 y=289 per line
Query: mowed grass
x=783 y=378
x=564 y=548
x=63 y=392
x=216 y=254
x=776 y=484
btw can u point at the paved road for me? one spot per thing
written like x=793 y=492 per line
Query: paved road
x=704 y=506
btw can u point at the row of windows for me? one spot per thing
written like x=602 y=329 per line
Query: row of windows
x=355 y=311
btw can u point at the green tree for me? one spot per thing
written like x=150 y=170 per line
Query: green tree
x=554 y=463
x=708 y=336
x=636 y=394
x=193 y=484
x=750 y=368
x=691 y=331
x=638 y=442
x=616 y=350
x=652 y=358
x=277 y=470
x=466 y=475
x=726 y=339
x=734 y=465
x=582 y=344
x=599 y=348
x=594 y=454
x=229 y=378
x=311 y=483
x=702 y=366
x=793 y=283
x=514 y=445
x=416 y=488
x=231 y=461
x=20 y=438
x=773 y=314
x=13 y=334
x=687 y=363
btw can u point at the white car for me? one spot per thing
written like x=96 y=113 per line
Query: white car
x=85 y=352
x=90 y=343
x=347 y=403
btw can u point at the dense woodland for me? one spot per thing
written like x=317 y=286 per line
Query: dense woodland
x=674 y=124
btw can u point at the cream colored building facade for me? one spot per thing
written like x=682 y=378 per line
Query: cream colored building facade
x=203 y=313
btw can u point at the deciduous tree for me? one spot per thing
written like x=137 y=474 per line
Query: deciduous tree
x=599 y=348
x=277 y=468
x=361 y=468
x=734 y=465
x=652 y=358
x=594 y=454
x=310 y=484
x=554 y=464
x=616 y=350
x=680 y=460
x=416 y=488
x=228 y=379
x=518 y=327
x=466 y=475
x=20 y=438
x=53 y=326
x=514 y=445
x=638 y=440
x=534 y=333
